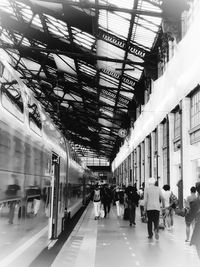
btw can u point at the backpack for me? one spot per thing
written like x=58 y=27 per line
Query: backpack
x=133 y=197
x=96 y=195
x=107 y=195
x=173 y=201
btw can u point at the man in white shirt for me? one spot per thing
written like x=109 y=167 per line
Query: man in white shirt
x=152 y=198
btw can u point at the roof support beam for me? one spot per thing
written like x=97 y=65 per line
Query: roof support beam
x=76 y=55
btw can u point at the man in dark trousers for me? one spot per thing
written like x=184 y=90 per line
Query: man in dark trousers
x=106 y=198
x=132 y=198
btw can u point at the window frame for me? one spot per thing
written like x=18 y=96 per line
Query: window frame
x=4 y=92
x=32 y=104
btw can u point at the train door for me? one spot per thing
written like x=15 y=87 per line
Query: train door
x=55 y=195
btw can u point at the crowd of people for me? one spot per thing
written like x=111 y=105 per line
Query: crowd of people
x=157 y=207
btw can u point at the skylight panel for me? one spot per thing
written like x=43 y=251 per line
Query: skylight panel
x=104 y=122
x=136 y=74
x=107 y=113
x=31 y=65
x=56 y=7
x=105 y=136
x=71 y=79
x=144 y=5
x=22 y=39
x=25 y=42
x=147 y=42
x=107 y=78
x=144 y=37
x=144 y=32
x=112 y=66
x=82 y=38
x=149 y=22
x=41 y=45
x=76 y=97
x=119 y=3
x=18 y=36
x=68 y=97
x=128 y=95
x=65 y=64
x=155 y=20
x=57 y=27
x=89 y=89
x=58 y=91
x=27 y=13
x=5 y=6
x=87 y=69
x=5 y=37
x=108 y=94
x=106 y=129
x=15 y=55
x=146 y=28
x=147 y=25
x=114 y=22
x=127 y=87
x=108 y=50
x=123 y=103
x=107 y=101
x=109 y=82
x=37 y=22
x=64 y=104
x=134 y=58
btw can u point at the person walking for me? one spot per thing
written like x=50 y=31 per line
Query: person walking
x=106 y=199
x=195 y=239
x=189 y=211
x=168 y=213
x=132 y=199
x=152 y=198
x=97 y=202
x=141 y=204
x=117 y=199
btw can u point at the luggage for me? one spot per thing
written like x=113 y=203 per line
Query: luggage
x=161 y=226
x=126 y=214
x=143 y=213
x=161 y=220
x=102 y=212
x=144 y=218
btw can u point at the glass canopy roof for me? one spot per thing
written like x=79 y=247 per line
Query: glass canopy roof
x=91 y=54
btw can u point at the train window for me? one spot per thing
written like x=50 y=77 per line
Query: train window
x=11 y=96
x=34 y=118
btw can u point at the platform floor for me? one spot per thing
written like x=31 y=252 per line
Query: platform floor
x=112 y=242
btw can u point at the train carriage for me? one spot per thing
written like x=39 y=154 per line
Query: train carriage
x=41 y=178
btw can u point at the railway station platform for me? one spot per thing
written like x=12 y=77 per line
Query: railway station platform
x=112 y=242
